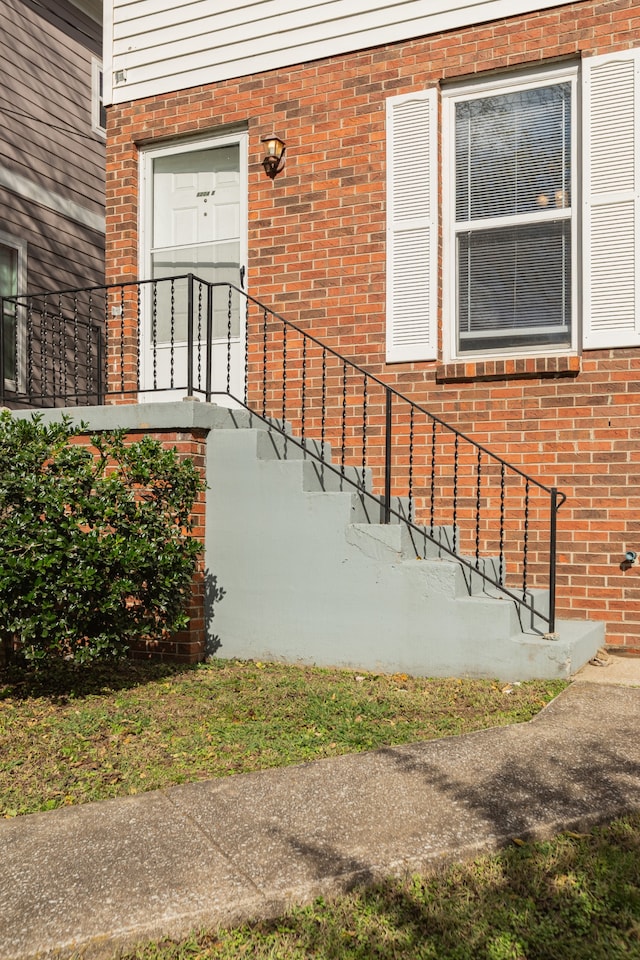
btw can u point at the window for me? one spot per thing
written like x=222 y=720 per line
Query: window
x=510 y=224
x=98 y=109
x=12 y=261
x=539 y=251
x=512 y=227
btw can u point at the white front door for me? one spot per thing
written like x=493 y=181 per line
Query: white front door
x=194 y=222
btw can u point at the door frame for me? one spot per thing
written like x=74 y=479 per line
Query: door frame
x=239 y=138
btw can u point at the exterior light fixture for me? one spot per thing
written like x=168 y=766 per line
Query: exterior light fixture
x=274 y=159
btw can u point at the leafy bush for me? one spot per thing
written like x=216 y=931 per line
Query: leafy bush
x=95 y=551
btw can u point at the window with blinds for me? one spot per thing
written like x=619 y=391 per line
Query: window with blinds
x=512 y=229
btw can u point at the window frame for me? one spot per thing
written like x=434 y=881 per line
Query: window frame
x=20 y=246
x=97 y=97
x=451 y=96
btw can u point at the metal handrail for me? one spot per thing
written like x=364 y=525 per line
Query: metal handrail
x=271 y=345
x=556 y=497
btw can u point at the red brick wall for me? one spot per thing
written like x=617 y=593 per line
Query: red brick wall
x=188 y=645
x=317 y=256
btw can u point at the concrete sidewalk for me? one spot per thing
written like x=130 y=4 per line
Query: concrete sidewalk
x=99 y=877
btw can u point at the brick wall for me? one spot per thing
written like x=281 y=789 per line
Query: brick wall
x=188 y=645
x=317 y=256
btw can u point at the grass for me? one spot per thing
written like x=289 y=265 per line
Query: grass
x=574 y=898
x=72 y=736
x=78 y=735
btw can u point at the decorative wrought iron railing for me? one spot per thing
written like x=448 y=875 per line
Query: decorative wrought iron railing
x=185 y=336
x=52 y=348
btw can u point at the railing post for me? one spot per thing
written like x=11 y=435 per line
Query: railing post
x=190 y=335
x=103 y=386
x=388 y=442
x=552 y=559
x=209 y=343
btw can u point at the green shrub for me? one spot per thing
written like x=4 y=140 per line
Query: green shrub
x=95 y=552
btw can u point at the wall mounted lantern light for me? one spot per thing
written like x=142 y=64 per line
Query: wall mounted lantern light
x=274 y=159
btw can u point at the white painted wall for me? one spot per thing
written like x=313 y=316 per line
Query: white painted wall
x=157 y=46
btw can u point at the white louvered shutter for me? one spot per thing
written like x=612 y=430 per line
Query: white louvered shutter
x=611 y=201
x=412 y=237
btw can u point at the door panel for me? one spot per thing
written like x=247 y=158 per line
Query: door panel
x=196 y=223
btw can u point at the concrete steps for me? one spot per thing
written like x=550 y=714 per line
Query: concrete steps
x=305 y=571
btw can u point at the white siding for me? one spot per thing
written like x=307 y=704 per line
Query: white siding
x=157 y=46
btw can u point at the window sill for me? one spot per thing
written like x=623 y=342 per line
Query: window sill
x=522 y=368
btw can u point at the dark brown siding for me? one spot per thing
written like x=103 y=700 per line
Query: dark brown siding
x=61 y=253
x=46 y=138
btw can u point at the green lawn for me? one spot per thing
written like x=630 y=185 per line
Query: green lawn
x=72 y=735
x=80 y=735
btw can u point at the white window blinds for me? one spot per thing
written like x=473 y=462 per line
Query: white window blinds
x=513 y=196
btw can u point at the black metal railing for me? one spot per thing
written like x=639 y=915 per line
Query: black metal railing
x=184 y=335
x=52 y=348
